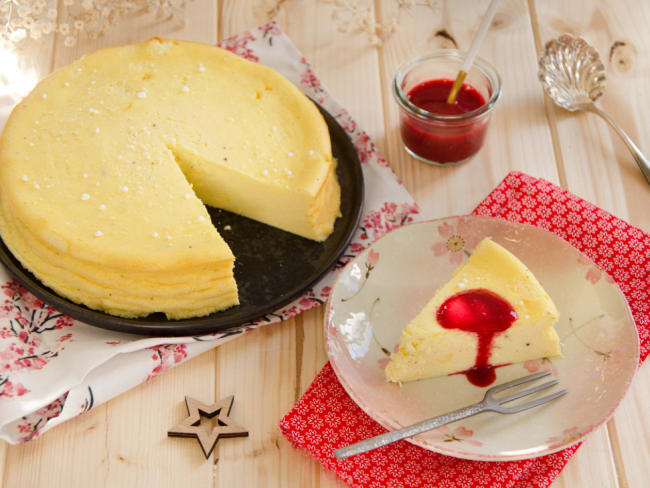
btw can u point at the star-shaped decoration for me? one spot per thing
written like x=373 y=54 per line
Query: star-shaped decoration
x=190 y=426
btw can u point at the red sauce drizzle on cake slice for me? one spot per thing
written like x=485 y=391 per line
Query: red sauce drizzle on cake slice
x=483 y=313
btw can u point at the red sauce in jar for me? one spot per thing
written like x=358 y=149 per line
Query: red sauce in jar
x=485 y=314
x=442 y=141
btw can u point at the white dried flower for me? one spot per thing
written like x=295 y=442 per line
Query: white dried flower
x=24 y=10
x=37 y=18
x=353 y=15
x=388 y=29
x=18 y=35
x=35 y=31
x=47 y=28
x=374 y=40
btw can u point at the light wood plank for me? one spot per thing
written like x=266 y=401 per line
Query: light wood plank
x=591 y=466
x=137 y=449
x=600 y=168
x=54 y=459
x=348 y=65
x=26 y=63
x=260 y=399
x=23 y=67
x=123 y=442
x=631 y=428
x=337 y=58
x=4 y=447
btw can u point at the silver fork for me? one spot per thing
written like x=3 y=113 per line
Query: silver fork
x=489 y=404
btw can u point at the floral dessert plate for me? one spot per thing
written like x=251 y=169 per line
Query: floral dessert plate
x=385 y=286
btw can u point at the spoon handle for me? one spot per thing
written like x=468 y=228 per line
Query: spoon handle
x=641 y=160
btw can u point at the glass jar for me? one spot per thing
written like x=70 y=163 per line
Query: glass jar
x=437 y=138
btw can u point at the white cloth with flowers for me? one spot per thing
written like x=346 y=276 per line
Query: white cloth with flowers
x=53 y=368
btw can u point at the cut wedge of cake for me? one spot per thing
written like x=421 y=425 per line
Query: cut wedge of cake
x=491 y=313
x=106 y=165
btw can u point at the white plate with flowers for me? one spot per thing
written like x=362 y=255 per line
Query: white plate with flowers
x=385 y=286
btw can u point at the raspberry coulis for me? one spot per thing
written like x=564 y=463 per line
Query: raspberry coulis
x=485 y=314
x=444 y=144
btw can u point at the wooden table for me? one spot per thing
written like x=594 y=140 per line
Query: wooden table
x=124 y=442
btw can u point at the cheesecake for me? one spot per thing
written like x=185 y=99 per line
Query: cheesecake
x=493 y=312
x=107 y=166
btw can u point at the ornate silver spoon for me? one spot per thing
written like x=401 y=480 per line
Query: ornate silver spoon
x=573 y=77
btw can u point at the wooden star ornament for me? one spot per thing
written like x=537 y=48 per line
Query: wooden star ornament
x=208 y=440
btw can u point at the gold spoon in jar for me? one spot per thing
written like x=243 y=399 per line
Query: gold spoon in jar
x=473 y=51
x=573 y=76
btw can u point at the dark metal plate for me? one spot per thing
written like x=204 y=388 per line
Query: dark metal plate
x=273 y=267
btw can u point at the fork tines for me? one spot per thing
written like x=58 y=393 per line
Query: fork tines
x=495 y=404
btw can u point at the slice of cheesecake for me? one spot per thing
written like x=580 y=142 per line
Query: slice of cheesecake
x=492 y=312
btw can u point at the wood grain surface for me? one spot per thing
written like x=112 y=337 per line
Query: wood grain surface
x=124 y=442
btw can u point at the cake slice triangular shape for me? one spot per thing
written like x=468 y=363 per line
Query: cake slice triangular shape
x=491 y=313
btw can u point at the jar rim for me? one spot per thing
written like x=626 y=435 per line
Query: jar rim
x=483 y=66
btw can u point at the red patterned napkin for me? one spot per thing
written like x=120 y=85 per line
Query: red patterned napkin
x=326 y=418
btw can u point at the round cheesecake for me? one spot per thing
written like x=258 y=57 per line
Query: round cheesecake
x=107 y=165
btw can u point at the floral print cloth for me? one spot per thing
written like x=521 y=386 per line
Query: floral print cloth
x=326 y=418
x=53 y=368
